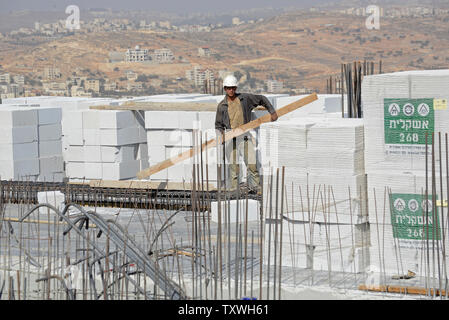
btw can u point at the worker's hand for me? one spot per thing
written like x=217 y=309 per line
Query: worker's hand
x=274 y=116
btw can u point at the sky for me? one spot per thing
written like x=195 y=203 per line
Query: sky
x=178 y=6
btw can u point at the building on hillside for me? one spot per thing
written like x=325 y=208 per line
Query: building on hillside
x=236 y=21
x=55 y=88
x=134 y=86
x=79 y=81
x=6 y=78
x=12 y=90
x=92 y=85
x=110 y=86
x=302 y=90
x=51 y=73
x=131 y=75
x=198 y=76
x=19 y=79
x=77 y=91
x=165 y=24
x=143 y=25
x=137 y=55
x=274 y=86
x=204 y=52
x=163 y=55
x=16 y=89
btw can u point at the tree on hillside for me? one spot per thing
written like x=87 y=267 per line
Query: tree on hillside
x=142 y=78
x=238 y=75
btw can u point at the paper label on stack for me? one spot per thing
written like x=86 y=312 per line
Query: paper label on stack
x=399 y=109
x=407 y=121
x=383 y=184
x=413 y=219
x=397 y=248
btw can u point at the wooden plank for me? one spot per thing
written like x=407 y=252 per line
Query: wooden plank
x=148 y=185
x=228 y=136
x=402 y=290
x=160 y=106
x=77 y=183
x=380 y=288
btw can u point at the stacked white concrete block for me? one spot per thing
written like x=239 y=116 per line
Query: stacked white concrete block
x=51 y=162
x=324 y=183
x=401 y=167
x=170 y=133
x=19 y=148
x=317 y=246
x=67 y=104
x=397 y=254
x=318 y=153
x=106 y=144
x=30 y=143
x=325 y=104
x=74 y=104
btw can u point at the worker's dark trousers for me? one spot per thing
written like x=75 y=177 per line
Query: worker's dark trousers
x=242 y=147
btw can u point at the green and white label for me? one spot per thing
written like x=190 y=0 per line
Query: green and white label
x=406 y=122
x=413 y=218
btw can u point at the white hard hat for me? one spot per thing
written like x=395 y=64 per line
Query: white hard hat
x=230 y=81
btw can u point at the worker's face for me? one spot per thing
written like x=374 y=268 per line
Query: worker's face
x=230 y=91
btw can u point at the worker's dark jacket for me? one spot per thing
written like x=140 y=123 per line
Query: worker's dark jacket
x=248 y=101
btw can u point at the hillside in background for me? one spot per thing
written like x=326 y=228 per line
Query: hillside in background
x=301 y=49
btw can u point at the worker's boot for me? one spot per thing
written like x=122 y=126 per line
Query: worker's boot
x=243 y=188
x=256 y=190
x=234 y=170
x=254 y=180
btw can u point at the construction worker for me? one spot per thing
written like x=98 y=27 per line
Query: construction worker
x=232 y=112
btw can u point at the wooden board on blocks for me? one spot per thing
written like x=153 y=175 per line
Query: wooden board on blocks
x=160 y=106
x=146 y=185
